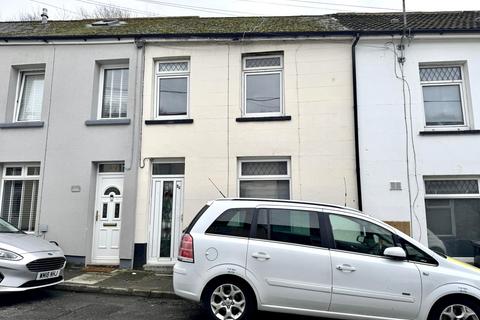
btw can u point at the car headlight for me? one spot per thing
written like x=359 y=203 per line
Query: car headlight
x=9 y=255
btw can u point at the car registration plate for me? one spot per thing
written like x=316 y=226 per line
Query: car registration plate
x=48 y=274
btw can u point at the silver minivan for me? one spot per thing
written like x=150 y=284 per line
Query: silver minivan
x=242 y=255
x=28 y=262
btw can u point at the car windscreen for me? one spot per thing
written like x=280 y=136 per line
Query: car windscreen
x=6 y=227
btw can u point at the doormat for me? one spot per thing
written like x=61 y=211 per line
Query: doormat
x=103 y=269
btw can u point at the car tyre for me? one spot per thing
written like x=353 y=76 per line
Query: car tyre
x=229 y=299
x=457 y=308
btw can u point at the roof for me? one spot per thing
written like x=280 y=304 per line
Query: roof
x=171 y=26
x=418 y=21
x=185 y=27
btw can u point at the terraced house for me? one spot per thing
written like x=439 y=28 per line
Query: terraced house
x=69 y=136
x=114 y=133
x=419 y=121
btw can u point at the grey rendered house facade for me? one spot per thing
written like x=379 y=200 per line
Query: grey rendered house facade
x=68 y=137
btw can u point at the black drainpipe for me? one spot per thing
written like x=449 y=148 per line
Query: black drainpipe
x=355 y=120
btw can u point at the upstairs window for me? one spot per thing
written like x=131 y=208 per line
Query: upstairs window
x=30 y=96
x=443 y=95
x=172 y=87
x=114 y=92
x=263 y=78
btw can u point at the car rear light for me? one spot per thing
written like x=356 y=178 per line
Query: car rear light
x=185 y=253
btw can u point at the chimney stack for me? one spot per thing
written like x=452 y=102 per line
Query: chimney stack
x=44 y=16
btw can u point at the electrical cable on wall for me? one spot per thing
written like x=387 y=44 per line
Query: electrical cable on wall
x=408 y=122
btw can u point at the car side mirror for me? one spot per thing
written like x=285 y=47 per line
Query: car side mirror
x=395 y=253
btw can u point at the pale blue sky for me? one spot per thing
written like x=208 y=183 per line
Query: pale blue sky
x=68 y=9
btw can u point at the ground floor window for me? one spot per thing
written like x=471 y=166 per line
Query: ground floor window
x=20 y=195
x=453 y=215
x=264 y=178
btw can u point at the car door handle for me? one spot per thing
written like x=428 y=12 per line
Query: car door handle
x=346 y=268
x=262 y=256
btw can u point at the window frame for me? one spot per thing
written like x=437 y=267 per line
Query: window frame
x=463 y=96
x=23 y=177
x=101 y=87
x=22 y=74
x=287 y=177
x=170 y=75
x=262 y=71
x=450 y=197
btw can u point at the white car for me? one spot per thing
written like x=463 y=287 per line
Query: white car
x=240 y=255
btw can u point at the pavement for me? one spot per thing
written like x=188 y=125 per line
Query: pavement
x=149 y=284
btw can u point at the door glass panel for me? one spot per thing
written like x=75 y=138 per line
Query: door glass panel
x=117 y=210
x=105 y=211
x=166 y=226
x=293 y=226
x=351 y=234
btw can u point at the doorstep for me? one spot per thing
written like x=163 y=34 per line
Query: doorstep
x=149 y=284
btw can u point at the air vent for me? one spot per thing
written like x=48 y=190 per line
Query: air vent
x=395 y=185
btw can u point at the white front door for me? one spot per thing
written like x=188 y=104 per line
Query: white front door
x=108 y=217
x=165 y=220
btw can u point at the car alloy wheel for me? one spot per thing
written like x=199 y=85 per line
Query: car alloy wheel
x=228 y=302
x=458 y=312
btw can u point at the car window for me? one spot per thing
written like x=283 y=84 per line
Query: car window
x=415 y=254
x=357 y=235
x=6 y=227
x=233 y=222
x=293 y=226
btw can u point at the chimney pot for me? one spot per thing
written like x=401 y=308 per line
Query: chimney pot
x=44 y=15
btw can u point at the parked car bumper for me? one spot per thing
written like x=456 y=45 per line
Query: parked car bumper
x=23 y=275
x=185 y=283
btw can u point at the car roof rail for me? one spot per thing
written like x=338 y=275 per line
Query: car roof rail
x=319 y=204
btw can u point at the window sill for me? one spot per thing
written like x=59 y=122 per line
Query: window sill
x=18 y=125
x=261 y=119
x=170 y=121
x=107 y=122
x=448 y=132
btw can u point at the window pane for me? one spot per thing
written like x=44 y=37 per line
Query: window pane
x=417 y=255
x=263 y=93
x=31 y=97
x=443 y=105
x=173 y=66
x=233 y=222
x=270 y=189
x=110 y=190
x=168 y=168
x=262 y=62
x=293 y=226
x=33 y=171
x=440 y=74
x=111 y=167
x=265 y=168
x=451 y=186
x=453 y=225
x=13 y=171
x=173 y=96
x=360 y=236
x=19 y=205
x=115 y=93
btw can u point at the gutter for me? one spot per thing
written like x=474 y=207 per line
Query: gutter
x=355 y=120
x=237 y=36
